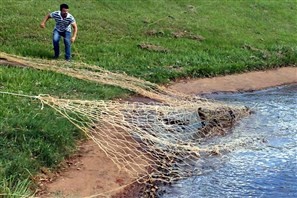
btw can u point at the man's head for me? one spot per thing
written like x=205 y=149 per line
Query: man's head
x=64 y=9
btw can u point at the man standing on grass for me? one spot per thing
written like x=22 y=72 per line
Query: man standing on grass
x=64 y=22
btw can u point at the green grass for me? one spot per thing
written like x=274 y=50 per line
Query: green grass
x=239 y=36
x=109 y=32
x=9 y=188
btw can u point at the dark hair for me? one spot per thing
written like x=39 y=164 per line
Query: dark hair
x=64 y=6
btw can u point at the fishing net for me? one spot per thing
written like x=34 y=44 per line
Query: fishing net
x=152 y=142
x=97 y=74
x=156 y=142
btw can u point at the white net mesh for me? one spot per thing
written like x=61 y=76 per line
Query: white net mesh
x=156 y=140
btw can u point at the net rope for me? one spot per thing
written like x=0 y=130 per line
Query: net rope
x=156 y=142
x=97 y=74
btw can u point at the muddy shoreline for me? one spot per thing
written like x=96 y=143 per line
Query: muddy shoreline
x=250 y=81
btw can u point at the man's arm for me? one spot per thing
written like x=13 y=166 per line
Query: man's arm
x=74 y=26
x=47 y=17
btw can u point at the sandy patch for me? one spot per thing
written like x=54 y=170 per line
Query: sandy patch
x=240 y=82
x=90 y=174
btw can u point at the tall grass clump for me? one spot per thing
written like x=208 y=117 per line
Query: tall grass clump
x=13 y=188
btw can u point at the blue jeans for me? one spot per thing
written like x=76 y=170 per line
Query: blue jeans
x=56 y=39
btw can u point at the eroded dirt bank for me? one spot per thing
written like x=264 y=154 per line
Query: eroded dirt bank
x=238 y=82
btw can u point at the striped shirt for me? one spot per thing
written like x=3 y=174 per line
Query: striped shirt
x=62 y=25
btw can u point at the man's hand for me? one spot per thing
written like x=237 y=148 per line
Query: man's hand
x=74 y=32
x=73 y=39
x=42 y=25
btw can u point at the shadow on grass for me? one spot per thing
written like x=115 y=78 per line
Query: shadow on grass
x=39 y=53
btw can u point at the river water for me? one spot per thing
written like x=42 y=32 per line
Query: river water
x=265 y=164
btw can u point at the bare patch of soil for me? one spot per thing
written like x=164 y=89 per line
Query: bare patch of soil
x=240 y=82
x=90 y=173
x=153 y=48
x=154 y=33
x=188 y=35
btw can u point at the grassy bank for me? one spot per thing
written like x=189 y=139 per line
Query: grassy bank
x=155 y=40
x=194 y=38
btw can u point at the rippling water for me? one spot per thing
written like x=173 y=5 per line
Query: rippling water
x=264 y=167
